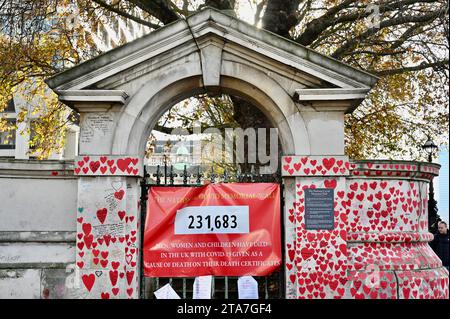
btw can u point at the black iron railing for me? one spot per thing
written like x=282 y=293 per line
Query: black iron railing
x=270 y=287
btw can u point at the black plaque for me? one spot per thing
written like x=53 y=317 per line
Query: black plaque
x=319 y=208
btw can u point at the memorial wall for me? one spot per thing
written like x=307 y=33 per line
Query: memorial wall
x=351 y=229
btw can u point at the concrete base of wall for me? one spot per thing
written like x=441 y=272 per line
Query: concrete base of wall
x=37 y=229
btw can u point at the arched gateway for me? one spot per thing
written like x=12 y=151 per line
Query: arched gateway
x=121 y=94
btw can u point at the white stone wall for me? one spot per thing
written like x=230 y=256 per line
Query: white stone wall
x=37 y=204
x=37 y=229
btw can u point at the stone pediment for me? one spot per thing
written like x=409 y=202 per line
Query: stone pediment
x=211 y=37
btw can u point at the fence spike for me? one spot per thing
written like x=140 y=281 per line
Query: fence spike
x=185 y=175
x=212 y=176
x=171 y=175
x=158 y=175
x=199 y=176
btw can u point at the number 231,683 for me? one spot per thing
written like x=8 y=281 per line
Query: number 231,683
x=220 y=221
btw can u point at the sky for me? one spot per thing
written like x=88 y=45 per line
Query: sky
x=443 y=186
x=246 y=11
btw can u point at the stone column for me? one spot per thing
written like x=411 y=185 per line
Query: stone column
x=107 y=242
x=378 y=248
x=389 y=255
x=316 y=260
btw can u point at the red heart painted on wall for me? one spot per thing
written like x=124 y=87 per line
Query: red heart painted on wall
x=101 y=214
x=113 y=275
x=105 y=295
x=130 y=291
x=88 y=281
x=123 y=163
x=119 y=194
x=94 y=166
x=130 y=275
x=330 y=183
x=328 y=163
x=121 y=214
x=86 y=228
x=88 y=240
x=115 y=264
x=107 y=239
x=291 y=253
x=306 y=253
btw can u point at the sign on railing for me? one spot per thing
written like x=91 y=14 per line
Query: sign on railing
x=228 y=229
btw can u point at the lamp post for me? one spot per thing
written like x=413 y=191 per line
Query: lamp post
x=433 y=217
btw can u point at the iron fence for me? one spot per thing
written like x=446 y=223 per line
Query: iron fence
x=269 y=287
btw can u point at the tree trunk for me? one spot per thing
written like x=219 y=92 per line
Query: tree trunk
x=249 y=116
x=280 y=16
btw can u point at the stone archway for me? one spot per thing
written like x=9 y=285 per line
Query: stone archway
x=130 y=135
x=120 y=95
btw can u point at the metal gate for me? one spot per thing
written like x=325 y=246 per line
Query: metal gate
x=270 y=287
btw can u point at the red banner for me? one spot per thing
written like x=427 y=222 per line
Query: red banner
x=230 y=229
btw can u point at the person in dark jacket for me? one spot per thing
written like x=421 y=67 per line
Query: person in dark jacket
x=440 y=243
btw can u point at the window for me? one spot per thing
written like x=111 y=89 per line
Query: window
x=8 y=138
x=32 y=134
x=10 y=107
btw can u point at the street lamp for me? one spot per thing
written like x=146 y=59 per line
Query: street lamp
x=433 y=217
x=430 y=148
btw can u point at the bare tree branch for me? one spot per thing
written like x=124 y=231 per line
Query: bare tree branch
x=160 y=9
x=221 y=4
x=349 y=45
x=317 y=26
x=436 y=65
x=125 y=14
x=280 y=16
